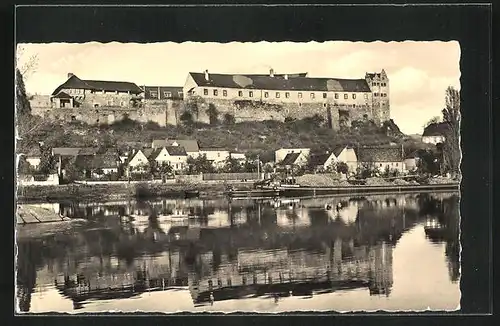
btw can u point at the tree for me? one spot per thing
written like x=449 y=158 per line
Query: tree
x=451 y=145
x=342 y=167
x=48 y=163
x=213 y=114
x=200 y=164
x=231 y=165
x=23 y=166
x=186 y=118
x=435 y=119
x=229 y=119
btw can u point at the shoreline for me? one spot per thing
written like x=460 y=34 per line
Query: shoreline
x=109 y=191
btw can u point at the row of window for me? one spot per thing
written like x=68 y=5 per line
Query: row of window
x=380 y=94
x=379 y=84
x=154 y=94
x=278 y=94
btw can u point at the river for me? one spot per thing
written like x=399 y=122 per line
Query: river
x=390 y=252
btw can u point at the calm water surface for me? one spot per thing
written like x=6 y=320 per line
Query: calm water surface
x=390 y=252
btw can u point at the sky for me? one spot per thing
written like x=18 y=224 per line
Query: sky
x=418 y=72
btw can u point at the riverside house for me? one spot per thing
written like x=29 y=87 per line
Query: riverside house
x=347 y=155
x=191 y=146
x=381 y=158
x=321 y=162
x=216 y=155
x=435 y=133
x=175 y=156
x=279 y=155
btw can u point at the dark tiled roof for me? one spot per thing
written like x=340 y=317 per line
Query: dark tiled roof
x=338 y=149
x=66 y=151
x=164 y=90
x=154 y=153
x=148 y=152
x=213 y=149
x=319 y=159
x=436 y=129
x=190 y=145
x=62 y=95
x=176 y=150
x=88 y=151
x=104 y=161
x=290 y=158
x=98 y=85
x=379 y=154
x=273 y=83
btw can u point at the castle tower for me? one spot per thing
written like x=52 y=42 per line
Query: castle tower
x=379 y=86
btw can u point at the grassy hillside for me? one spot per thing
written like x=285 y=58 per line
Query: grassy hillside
x=245 y=136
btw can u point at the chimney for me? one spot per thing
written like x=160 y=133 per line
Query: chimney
x=207 y=75
x=70 y=74
x=271 y=72
x=286 y=76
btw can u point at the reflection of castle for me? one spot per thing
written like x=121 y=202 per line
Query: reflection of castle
x=301 y=272
x=249 y=254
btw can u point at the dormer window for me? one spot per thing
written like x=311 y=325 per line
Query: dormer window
x=167 y=94
x=153 y=94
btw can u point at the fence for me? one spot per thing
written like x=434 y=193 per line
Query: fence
x=30 y=180
x=230 y=176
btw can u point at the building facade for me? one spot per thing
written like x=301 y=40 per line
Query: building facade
x=277 y=97
x=98 y=102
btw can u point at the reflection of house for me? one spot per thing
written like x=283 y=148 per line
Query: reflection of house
x=300 y=272
x=381 y=158
x=435 y=133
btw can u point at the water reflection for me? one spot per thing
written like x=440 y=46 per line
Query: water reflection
x=231 y=250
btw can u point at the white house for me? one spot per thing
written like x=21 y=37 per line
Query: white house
x=191 y=146
x=435 y=133
x=322 y=161
x=294 y=159
x=217 y=156
x=175 y=156
x=137 y=161
x=34 y=157
x=382 y=158
x=279 y=155
x=347 y=155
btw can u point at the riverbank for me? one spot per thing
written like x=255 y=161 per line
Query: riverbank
x=113 y=191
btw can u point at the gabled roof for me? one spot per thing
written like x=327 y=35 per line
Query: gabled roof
x=379 y=154
x=98 y=85
x=213 y=149
x=66 y=151
x=63 y=95
x=290 y=158
x=190 y=145
x=176 y=150
x=273 y=83
x=104 y=161
x=338 y=149
x=131 y=156
x=319 y=159
x=436 y=129
x=148 y=152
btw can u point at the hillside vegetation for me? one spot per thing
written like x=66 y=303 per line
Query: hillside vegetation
x=245 y=136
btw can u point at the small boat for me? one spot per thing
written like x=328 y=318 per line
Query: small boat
x=191 y=193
